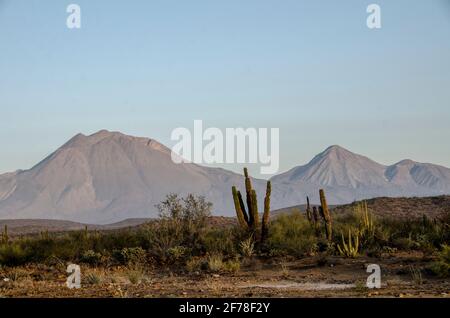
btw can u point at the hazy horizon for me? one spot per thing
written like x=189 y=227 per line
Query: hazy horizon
x=311 y=68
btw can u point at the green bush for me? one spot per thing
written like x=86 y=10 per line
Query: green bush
x=130 y=256
x=215 y=262
x=221 y=241
x=177 y=253
x=90 y=257
x=92 y=279
x=12 y=255
x=441 y=268
x=196 y=264
x=183 y=222
x=291 y=234
x=232 y=265
x=420 y=234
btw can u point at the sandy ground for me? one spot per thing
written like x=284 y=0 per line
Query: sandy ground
x=309 y=277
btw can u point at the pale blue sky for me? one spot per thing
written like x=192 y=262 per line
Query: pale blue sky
x=311 y=68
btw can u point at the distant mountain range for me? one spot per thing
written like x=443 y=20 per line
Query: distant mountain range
x=348 y=177
x=108 y=177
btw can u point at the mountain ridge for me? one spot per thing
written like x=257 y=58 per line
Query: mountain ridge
x=109 y=176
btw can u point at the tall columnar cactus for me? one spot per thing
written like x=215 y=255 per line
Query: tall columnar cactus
x=249 y=218
x=315 y=218
x=252 y=203
x=44 y=235
x=265 y=222
x=325 y=214
x=315 y=215
x=308 y=210
x=5 y=237
x=240 y=208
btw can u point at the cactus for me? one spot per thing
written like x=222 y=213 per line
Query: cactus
x=249 y=218
x=325 y=213
x=5 y=237
x=44 y=235
x=239 y=207
x=308 y=210
x=265 y=221
x=315 y=214
x=85 y=233
x=315 y=218
x=349 y=249
x=366 y=223
x=252 y=203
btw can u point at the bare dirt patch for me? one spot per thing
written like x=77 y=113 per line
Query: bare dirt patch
x=297 y=278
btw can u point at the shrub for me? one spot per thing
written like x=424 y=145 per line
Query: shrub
x=247 y=247
x=135 y=276
x=15 y=275
x=416 y=275
x=93 y=278
x=182 y=223
x=130 y=255
x=424 y=234
x=221 y=241
x=90 y=257
x=291 y=234
x=195 y=264
x=177 y=253
x=441 y=268
x=215 y=262
x=12 y=255
x=232 y=266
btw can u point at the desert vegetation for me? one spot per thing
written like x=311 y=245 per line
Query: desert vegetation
x=183 y=242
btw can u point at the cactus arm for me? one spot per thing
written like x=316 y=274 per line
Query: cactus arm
x=241 y=203
x=265 y=222
x=326 y=214
x=237 y=206
x=308 y=210
x=250 y=204
x=255 y=210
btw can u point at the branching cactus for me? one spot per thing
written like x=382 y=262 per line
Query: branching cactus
x=239 y=207
x=366 y=222
x=249 y=218
x=325 y=214
x=350 y=248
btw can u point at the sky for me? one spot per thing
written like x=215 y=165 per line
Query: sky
x=312 y=68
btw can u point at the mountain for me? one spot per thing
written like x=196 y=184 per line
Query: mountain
x=108 y=177
x=348 y=177
x=337 y=167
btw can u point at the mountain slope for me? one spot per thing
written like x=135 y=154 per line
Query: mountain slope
x=349 y=177
x=108 y=177
x=337 y=167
